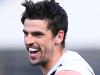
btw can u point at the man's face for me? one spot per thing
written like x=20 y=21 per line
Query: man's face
x=38 y=40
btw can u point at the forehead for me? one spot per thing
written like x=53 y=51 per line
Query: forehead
x=35 y=24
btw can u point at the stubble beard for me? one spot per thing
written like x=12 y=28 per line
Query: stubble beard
x=41 y=62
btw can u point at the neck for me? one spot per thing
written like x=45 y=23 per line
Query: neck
x=52 y=61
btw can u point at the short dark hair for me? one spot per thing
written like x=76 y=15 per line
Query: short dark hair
x=47 y=10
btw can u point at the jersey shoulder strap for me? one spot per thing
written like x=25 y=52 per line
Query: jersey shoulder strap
x=53 y=73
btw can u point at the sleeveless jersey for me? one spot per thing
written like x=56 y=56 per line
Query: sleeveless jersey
x=71 y=60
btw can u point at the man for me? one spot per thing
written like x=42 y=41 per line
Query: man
x=45 y=28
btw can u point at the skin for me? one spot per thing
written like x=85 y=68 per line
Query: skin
x=69 y=72
x=38 y=36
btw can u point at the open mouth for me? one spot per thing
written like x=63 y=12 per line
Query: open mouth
x=33 y=50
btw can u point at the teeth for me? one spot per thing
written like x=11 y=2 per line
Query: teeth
x=33 y=49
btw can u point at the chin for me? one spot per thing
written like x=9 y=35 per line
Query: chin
x=34 y=64
x=38 y=63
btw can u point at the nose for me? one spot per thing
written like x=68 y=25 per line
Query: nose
x=29 y=40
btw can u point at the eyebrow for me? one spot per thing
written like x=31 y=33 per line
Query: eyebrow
x=35 y=33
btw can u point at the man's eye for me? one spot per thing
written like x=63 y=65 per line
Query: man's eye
x=37 y=34
x=26 y=34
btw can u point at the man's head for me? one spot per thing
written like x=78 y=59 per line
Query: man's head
x=45 y=28
x=49 y=11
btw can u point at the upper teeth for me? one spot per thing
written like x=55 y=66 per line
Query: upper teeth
x=33 y=49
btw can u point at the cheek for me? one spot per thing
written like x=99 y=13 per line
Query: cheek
x=43 y=42
x=48 y=53
x=49 y=49
x=46 y=46
x=46 y=50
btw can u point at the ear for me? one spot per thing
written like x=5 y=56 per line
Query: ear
x=59 y=37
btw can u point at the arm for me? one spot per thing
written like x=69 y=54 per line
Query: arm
x=68 y=73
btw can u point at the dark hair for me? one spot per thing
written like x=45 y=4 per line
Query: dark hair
x=47 y=10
